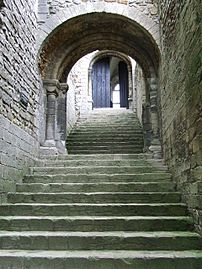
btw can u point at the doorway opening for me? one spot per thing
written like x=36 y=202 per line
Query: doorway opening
x=110 y=83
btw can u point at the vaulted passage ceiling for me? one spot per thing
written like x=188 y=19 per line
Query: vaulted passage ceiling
x=96 y=31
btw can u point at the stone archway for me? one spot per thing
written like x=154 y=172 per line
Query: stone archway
x=80 y=35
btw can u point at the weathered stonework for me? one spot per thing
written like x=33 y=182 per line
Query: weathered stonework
x=18 y=150
x=149 y=8
x=181 y=97
x=19 y=87
x=18 y=64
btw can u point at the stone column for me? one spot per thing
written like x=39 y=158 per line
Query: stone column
x=52 y=89
x=155 y=146
x=130 y=88
x=61 y=132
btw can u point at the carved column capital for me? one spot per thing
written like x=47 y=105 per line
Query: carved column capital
x=52 y=86
x=64 y=87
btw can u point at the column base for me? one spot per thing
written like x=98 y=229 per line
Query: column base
x=156 y=149
x=48 y=151
x=61 y=147
x=52 y=147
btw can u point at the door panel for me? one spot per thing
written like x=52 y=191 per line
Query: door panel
x=101 y=83
x=123 y=82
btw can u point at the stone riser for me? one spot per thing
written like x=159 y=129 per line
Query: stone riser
x=113 y=151
x=104 y=143
x=93 y=210
x=110 y=157
x=99 y=241
x=90 y=178
x=90 y=224
x=77 y=163
x=100 y=148
x=108 y=133
x=108 y=130
x=52 y=260
x=108 y=136
x=93 y=187
x=96 y=198
x=92 y=170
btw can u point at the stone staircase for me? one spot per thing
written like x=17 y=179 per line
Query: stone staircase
x=105 y=131
x=98 y=211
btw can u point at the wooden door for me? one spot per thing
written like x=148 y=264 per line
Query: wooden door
x=123 y=82
x=101 y=83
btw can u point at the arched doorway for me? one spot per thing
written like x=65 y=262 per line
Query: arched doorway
x=110 y=83
x=97 y=31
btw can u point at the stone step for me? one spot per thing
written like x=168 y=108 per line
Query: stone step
x=104 y=151
x=139 y=156
x=97 y=187
x=90 y=178
x=105 y=146
x=117 y=136
x=105 y=140
x=109 y=132
x=95 y=197
x=89 y=224
x=92 y=170
x=115 y=121
x=128 y=125
x=76 y=163
x=110 y=128
x=47 y=240
x=104 y=143
x=25 y=259
x=102 y=209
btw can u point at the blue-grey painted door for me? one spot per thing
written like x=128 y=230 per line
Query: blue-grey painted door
x=101 y=83
x=123 y=82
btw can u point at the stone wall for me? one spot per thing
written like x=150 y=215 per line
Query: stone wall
x=19 y=88
x=148 y=7
x=140 y=91
x=72 y=111
x=181 y=97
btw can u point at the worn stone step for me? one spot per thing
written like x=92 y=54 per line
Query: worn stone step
x=107 y=147
x=96 y=187
x=42 y=240
x=99 y=139
x=90 y=178
x=102 y=143
x=25 y=259
x=95 y=197
x=109 y=132
x=104 y=151
x=102 y=209
x=138 y=156
x=107 y=122
x=92 y=170
x=95 y=162
x=105 y=136
x=128 y=259
x=102 y=223
x=133 y=125
x=108 y=129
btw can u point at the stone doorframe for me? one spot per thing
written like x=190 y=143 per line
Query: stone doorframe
x=55 y=131
x=99 y=55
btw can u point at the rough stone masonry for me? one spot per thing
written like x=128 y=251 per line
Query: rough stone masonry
x=19 y=88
